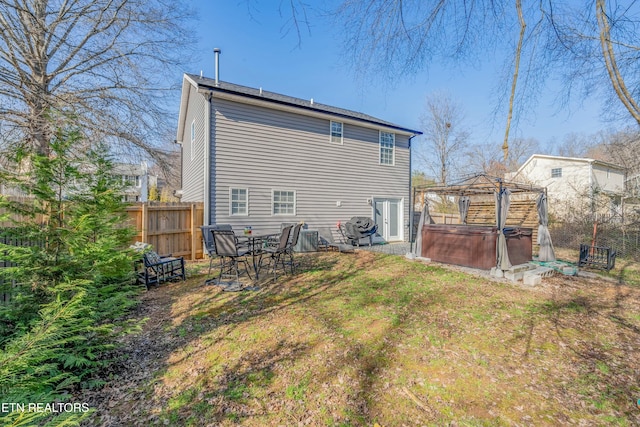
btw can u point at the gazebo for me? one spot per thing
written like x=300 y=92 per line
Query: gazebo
x=485 y=222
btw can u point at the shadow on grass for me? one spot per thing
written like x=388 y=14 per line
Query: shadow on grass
x=607 y=373
x=235 y=391
x=365 y=306
x=238 y=383
x=147 y=358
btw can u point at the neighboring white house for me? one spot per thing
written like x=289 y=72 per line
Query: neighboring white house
x=260 y=159
x=136 y=181
x=575 y=186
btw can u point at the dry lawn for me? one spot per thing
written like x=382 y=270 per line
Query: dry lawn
x=364 y=339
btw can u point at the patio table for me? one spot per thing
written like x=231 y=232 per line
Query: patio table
x=255 y=244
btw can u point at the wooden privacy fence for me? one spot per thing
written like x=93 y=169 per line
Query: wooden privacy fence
x=172 y=228
x=11 y=237
x=522 y=213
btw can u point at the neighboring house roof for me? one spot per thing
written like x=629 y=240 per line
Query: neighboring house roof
x=129 y=169
x=204 y=84
x=566 y=159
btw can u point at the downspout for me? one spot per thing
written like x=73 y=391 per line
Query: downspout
x=207 y=161
x=411 y=239
x=592 y=202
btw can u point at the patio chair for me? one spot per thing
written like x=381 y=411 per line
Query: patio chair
x=273 y=241
x=326 y=241
x=278 y=253
x=209 y=244
x=226 y=246
x=295 y=235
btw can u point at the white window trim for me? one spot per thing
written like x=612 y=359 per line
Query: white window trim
x=295 y=202
x=231 y=201
x=393 y=149
x=331 y=122
x=193 y=138
x=559 y=174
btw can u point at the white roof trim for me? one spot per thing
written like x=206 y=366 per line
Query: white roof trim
x=187 y=82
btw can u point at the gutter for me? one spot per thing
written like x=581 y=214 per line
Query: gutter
x=591 y=188
x=207 y=163
x=411 y=239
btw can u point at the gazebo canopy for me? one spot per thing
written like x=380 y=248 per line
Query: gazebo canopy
x=480 y=184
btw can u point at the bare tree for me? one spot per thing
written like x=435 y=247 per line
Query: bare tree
x=484 y=158
x=100 y=63
x=520 y=150
x=621 y=148
x=575 y=145
x=444 y=136
x=591 y=48
x=514 y=81
x=487 y=158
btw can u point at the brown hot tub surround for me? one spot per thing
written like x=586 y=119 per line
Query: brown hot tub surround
x=474 y=245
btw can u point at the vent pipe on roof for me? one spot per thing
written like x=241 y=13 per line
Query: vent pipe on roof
x=311 y=101
x=216 y=54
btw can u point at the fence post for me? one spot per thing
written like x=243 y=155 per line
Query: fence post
x=194 y=235
x=144 y=221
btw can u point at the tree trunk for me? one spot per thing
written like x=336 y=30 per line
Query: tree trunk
x=617 y=81
x=523 y=27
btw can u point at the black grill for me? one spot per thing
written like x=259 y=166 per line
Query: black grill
x=358 y=227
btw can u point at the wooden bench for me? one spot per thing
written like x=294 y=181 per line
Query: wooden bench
x=597 y=257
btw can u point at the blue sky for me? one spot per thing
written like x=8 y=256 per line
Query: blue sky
x=257 y=51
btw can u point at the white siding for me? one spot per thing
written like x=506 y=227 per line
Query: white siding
x=193 y=169
x=608 y=179
x=563 y=192
x=571 y=194
x=263 y=149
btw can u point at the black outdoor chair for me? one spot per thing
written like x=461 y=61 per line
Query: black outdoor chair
x=209 y=244
x=278 y=253
x=293 y=241
x=226 y=247
x=156 y=269
x=326 y=241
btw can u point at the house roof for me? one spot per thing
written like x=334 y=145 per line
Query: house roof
x=566 y=159
x=209 y=85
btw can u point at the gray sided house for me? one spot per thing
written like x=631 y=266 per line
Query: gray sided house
x=260 y=159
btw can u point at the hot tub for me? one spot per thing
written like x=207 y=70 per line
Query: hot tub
x=474 y=245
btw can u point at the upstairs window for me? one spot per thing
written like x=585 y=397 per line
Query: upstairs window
x=131 y=180
x=283 y=202
x=336 y=132
x=387 y=145
x=556 y=173
x=239 y=201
